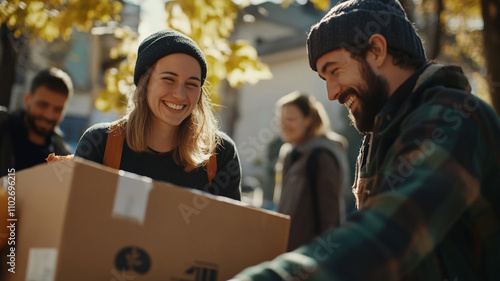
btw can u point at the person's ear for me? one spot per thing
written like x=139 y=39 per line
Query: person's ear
x=309 y=121
x=26 y=99
x=378 y=50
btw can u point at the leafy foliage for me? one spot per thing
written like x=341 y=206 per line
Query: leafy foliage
x=119 y=81
x=323 y=5
x=464 y=26
x=208 y=23
x=461 y=38
x=51 y=19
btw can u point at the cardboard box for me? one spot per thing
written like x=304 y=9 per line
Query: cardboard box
x=79 y=220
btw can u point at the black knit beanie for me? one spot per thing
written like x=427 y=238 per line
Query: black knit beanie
x=350 y=24
x=164 y=43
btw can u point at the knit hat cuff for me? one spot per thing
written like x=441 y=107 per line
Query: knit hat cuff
x=164 y=43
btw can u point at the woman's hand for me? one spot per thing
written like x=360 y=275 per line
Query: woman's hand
x=55 y=158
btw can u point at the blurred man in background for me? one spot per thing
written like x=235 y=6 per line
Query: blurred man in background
x=28 y=136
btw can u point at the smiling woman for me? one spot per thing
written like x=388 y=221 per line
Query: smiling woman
x=169 y=132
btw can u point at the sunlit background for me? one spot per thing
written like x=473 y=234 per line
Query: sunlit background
x=255 y=50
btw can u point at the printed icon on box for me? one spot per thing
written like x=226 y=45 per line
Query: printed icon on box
x=134 y=259
x=203 y=272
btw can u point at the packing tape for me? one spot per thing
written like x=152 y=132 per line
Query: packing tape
x=131 y=198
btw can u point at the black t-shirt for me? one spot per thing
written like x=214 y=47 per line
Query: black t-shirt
x=161 y=166
x=26 y=153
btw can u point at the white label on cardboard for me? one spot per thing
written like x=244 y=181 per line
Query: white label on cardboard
x=131 y=199
x=41 y=264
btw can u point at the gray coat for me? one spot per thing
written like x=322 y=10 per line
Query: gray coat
x=294 y=192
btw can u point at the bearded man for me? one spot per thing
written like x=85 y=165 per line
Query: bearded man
x=428 y=174
x=28 y=136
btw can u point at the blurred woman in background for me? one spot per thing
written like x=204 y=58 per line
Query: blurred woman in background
x=312 y=165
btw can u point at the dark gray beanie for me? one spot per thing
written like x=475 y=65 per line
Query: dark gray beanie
x=164 y=43
x=350 y=24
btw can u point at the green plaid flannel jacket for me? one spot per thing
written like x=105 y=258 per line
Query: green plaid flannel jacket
x=428 y=191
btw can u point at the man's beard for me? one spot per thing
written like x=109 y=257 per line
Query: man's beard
x=31 y=123
x=372 y=98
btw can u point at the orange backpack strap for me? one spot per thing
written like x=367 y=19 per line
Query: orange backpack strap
x=114 y=147
x=212 y=167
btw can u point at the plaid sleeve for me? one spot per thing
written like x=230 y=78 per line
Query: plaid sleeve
x=429 y=177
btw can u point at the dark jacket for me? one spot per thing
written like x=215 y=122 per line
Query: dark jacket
x=7 y=157
x=313 y=209
x=428 y=189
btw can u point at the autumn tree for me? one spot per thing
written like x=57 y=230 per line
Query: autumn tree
x=467 y=33
x=47 y=20
x=490 y=10
x=209 y=23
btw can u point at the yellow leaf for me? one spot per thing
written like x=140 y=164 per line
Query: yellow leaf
x=12 y=21
x=18 y=33
x=286 y=3
x=114 y=53
x=50 y=32
x=323 y=5
x=102 y=104
x=35 y=6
